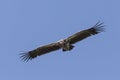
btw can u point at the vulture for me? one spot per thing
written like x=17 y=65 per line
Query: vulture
x=64 y=44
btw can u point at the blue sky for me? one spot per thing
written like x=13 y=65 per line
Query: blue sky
x=28 y=24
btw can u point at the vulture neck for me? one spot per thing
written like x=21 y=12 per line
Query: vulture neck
x=65 y=45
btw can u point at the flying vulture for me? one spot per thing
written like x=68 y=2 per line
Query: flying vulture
x=65 y=44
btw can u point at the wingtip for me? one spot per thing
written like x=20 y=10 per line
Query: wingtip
x=25 y=57
x=99 y=27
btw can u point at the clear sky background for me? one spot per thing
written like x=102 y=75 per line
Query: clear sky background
x=28 y=24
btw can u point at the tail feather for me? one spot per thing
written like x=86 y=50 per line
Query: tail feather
x=71 y=47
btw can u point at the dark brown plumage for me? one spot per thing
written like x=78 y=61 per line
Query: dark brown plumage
x=97 y=28
x=39 y=51
x=65 y=44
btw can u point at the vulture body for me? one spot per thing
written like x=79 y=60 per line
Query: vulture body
x=65 y=44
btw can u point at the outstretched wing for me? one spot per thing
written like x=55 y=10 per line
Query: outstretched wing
x=39 y=51
x=97 y=28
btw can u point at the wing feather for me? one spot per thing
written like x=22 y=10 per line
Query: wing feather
x=97 y=28
x=39 y=51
